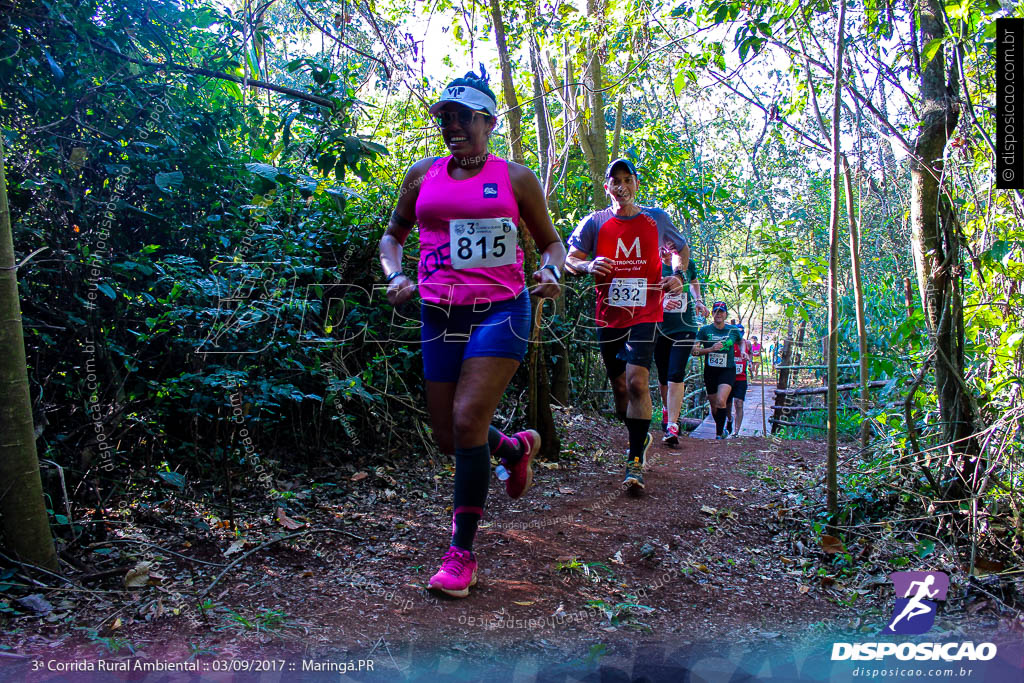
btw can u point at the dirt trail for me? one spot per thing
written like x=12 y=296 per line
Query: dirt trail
x=576 y=562
x=577 y=574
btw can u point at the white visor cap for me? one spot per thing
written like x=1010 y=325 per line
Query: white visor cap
x=467 y=97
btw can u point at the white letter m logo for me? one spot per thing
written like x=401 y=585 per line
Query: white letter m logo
x=620 y=248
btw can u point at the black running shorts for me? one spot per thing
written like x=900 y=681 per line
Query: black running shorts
x=621 y=345
x=714 y=377
x=739 y=390
x=671 y=354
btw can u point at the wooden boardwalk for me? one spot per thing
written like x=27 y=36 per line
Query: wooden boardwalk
x=753 y=409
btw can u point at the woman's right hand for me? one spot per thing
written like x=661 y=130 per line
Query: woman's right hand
x=400 y=290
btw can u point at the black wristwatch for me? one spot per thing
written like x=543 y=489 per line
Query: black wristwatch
x=554 y=269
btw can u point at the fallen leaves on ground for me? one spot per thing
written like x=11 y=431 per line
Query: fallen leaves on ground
x=142 y=575
x=236 y=546
x=832 y=545
x=286 y=521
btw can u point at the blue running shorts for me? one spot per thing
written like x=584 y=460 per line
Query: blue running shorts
x=451 y=334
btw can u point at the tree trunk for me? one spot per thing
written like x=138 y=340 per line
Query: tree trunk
x=545 y=152
x=617 y=136
x=936 y=248
x=545 y=141
x=798 y=351
x=538 y=407
x=858 y=293
x=908 y=296
x=25 y=524
x=832 y=458
x=787 y=357
x=760 y=371
x=514 y=115
x=596 y=133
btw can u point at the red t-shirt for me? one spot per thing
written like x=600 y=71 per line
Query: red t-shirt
x=741 y=363
x=631 y=294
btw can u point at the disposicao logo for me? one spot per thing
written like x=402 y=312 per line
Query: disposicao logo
x=914 y=614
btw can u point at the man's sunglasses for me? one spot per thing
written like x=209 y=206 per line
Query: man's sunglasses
x=443 y=119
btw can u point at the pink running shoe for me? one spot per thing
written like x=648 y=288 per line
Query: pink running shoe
x=520 y=477
x=457 y=573
x=671 y=437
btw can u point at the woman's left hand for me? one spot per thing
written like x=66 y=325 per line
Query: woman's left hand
x=547 y=286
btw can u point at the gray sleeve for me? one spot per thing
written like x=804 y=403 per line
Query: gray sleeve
x=667 y=231
x=584 y=236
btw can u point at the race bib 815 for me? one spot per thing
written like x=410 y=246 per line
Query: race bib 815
x=482 y=242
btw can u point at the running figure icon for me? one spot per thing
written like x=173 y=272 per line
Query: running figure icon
x=915 y=607
x=919 y=590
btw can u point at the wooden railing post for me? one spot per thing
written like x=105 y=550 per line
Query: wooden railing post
x=787 y=357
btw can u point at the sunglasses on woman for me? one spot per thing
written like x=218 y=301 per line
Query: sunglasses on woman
x=443 y=119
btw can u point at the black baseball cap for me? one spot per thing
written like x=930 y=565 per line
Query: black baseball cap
x=621 y=160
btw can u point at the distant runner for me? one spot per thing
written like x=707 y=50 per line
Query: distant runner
x=734 y=406
x=717 y=340
x=755 y=356
x=676 y=339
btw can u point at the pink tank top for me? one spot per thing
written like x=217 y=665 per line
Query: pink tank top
x=469 y=247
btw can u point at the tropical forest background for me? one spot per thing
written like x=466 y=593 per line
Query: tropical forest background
x=197 y=189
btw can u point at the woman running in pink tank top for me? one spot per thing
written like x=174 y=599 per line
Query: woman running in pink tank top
x=475 y=308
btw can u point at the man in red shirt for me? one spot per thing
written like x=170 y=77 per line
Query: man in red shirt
x=620 y=246
x=739 y=388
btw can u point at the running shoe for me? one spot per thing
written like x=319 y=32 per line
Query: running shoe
x=457 y=573
x=520 y=475
x=634 y=475
x=671 y=437
x=647 y=447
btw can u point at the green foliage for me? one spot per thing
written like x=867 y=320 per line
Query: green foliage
x=264 y=620
x=107 y=645
x=190 y=249
x=620 y=612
